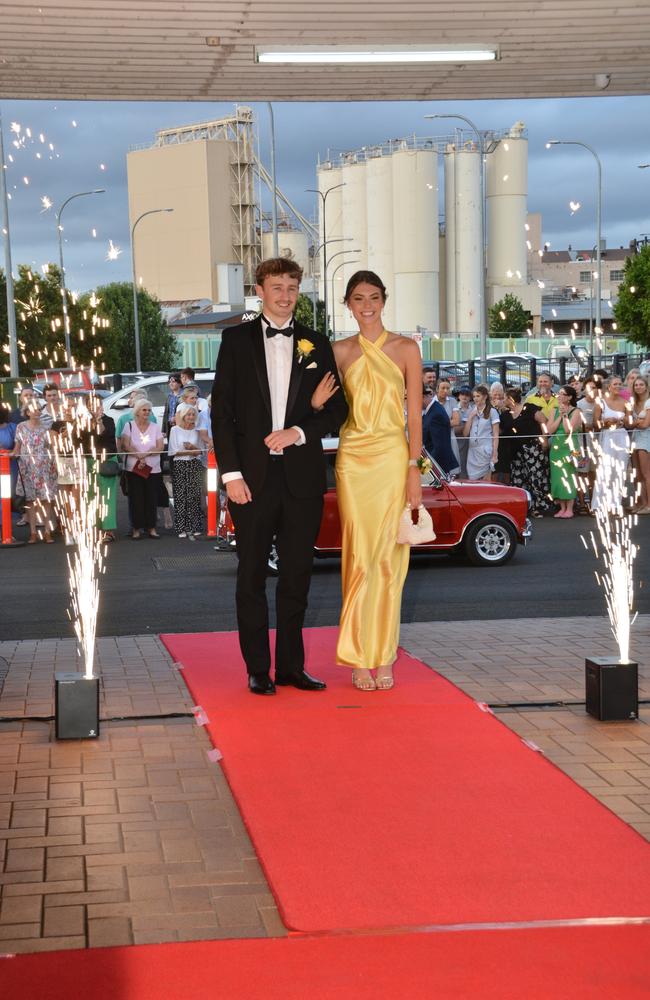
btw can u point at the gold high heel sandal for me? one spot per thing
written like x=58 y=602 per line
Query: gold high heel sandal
x=385 y=681
x=363 y=683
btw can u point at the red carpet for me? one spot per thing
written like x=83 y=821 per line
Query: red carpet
x=553 y=964
x=406 y=808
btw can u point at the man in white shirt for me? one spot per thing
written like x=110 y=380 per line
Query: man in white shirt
x=267 y=442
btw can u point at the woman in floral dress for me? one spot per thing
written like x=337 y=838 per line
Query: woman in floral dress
x=528 y=466
x=37 y=477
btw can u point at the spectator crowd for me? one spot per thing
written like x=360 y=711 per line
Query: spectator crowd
x=569 y=446
x=564 y=445
x=160 y=468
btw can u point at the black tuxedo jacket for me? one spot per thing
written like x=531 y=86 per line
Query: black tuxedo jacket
x=241 y=409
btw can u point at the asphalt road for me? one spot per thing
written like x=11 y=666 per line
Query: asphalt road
x=173 y=585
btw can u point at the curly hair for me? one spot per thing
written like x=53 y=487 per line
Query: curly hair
x=275 y=266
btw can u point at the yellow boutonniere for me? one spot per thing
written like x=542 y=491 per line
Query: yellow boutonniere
x=304 y=348
x=425 y=465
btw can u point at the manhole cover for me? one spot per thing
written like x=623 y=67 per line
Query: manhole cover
x=184 y=564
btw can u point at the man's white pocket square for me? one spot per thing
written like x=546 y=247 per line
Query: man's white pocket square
x=312 y=365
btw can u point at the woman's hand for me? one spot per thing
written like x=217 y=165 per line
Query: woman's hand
x=413 y=488
x=324 y=391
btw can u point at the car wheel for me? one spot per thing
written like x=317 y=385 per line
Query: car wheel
x=490 y=541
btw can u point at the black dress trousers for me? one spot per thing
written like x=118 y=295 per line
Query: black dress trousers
x=143 y=494
x=294 y=523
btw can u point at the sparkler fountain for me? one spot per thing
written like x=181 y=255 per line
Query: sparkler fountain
x=612 y=682
x=79 y=506
x=80 y=510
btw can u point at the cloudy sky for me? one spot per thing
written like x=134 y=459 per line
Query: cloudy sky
x=90 y=142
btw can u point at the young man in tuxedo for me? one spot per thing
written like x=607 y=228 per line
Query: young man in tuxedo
x=267 y=441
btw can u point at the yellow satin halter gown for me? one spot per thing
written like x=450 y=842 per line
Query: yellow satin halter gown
x=371 y=472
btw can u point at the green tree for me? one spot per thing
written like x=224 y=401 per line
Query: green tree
x=114 y=303
x=508 y=315
x=305 y=312
x=39 y=321
x=632 y=310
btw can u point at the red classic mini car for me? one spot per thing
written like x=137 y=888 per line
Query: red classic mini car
x=486 y=521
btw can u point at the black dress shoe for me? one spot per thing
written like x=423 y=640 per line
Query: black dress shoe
x=301 y=680
x=260 y=684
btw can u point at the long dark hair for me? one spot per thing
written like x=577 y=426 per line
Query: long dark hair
x=571 y=393
x=368 y=278
x=487 y=407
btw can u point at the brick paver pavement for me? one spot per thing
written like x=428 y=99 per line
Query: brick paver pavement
x=135 y=837
x=128 y=839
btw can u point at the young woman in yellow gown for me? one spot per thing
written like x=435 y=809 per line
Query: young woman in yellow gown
x=376 y=475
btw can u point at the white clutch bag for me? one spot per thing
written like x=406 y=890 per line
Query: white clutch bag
x=410 y=533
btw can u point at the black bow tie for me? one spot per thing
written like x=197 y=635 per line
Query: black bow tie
x=271 y=331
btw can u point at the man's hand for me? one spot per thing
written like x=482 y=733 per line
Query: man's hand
x=238 y=491
x=278 y=440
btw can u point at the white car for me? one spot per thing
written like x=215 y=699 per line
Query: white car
x=157 y=389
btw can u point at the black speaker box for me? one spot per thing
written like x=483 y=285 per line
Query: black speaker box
x=76 y=706
x=612 y=689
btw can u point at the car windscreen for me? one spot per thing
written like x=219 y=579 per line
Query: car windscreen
x=204 y=383
x=157 y=393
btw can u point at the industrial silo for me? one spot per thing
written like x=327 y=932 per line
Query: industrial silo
x=464 y=250
x=355 y=228
x=292 y=244
x=415 y=238
x=507 y=190
x=450 y=239
x=379 y=213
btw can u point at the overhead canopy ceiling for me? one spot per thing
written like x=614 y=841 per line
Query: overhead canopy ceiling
x=204 y=49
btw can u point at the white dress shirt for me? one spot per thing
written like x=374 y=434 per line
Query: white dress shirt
x=278 y=352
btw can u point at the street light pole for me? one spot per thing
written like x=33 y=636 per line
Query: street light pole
x=323 y=196
x=341 y=239
x=599 y=199
x=64 y=300
x=11 y=308
x=337 y=268
x=274 y=201
x=333 y=257
x=591 y=312
x=136 y=320
x=483 y=308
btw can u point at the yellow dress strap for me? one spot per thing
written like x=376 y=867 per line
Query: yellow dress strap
x=376 y=344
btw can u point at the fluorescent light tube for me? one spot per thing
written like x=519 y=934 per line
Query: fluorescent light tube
x=339 y=55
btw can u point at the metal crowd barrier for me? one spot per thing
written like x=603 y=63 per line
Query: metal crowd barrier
x=8 y=541
x=212 y=495
x=5 y=497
